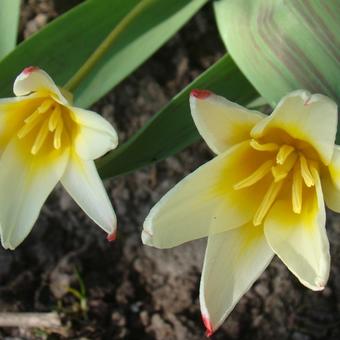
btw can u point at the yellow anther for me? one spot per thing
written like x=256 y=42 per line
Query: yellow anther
x=284 y=152
x=46 y=105
x=256 y=176
x=34 y=116
x=305 y=171
x=281 y=171
x=40 y=139
x=54 y=118
x=57 y=134
x=29 y=125
x=297 y=190
x=263 y=147
x=267 y=202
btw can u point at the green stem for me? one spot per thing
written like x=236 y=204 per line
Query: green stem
x=95 y=57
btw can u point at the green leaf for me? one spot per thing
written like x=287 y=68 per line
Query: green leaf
x=172 y=129
x=9 y=20
x=64 y=45
x=284 y=45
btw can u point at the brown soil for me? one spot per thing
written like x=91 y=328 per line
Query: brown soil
x=132 y=291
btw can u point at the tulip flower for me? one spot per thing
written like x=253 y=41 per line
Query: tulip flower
x=262 y=195
x=44 y=140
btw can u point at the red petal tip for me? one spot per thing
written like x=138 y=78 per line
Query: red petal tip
x=29 y=70
x=208 y=326
x=112 y=237
x=201 y=94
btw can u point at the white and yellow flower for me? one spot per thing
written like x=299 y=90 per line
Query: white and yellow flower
x=263 y=194
x=44 y=140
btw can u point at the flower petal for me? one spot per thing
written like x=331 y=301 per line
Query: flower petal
x=96 y=135
x=82 y=182
x=205 y=202
x=25 y=181
x=221 y=122
x=33 y=79
x=309 y=118
x=331 y=181
x=233 y=261
x=300 y=240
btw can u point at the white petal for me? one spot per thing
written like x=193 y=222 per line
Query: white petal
x=25 y=182
x=221 y=122
x=233 y=261
x=82 y=182
x=205 y=202
x=33 y=79
x=300 y=240
x=96 y=135
x=309 y=118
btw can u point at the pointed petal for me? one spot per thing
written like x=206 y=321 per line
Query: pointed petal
x=309 y=118
x=300 y=240
x=331 y=182
x=82 y=182
x=33 y=79
x=221 y=122
x=233 y=261
x=205 y=202
x=96 y=136
x=25 y=182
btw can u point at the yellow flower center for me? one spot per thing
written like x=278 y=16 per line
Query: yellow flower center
x=285 y=164
x=47 y=127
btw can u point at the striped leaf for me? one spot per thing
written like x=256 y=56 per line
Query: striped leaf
x=9 y=20
x=284 y=45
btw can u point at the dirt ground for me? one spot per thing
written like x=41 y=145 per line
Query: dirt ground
x=132 y=291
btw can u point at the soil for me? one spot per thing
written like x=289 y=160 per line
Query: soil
x=132 y=291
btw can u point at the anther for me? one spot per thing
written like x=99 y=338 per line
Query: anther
x=256 y=176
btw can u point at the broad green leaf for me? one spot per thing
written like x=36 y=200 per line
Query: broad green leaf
x=9 y=20
x=64 y=45
x=284 y=45
x=172 y=129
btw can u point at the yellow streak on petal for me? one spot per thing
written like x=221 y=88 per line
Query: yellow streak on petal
x=297 y=190
x=305 y=171
x=283 y=153
x=281 y=171
x=263 y=147
x=256 y=176
x=40 y=139
x=267 y=202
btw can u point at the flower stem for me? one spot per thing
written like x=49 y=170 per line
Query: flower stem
x=96 y=56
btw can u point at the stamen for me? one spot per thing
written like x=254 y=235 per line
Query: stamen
x=54 y=118
x=256 y=176
x=35 y=115
x=57 y=134
x=267 y=202
x=45 y=106
x=283 y=153
x=281 y=171
x=297 y=190
x=30 y=124
x=263 y=147
x=305 y=171
x=40 y=139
